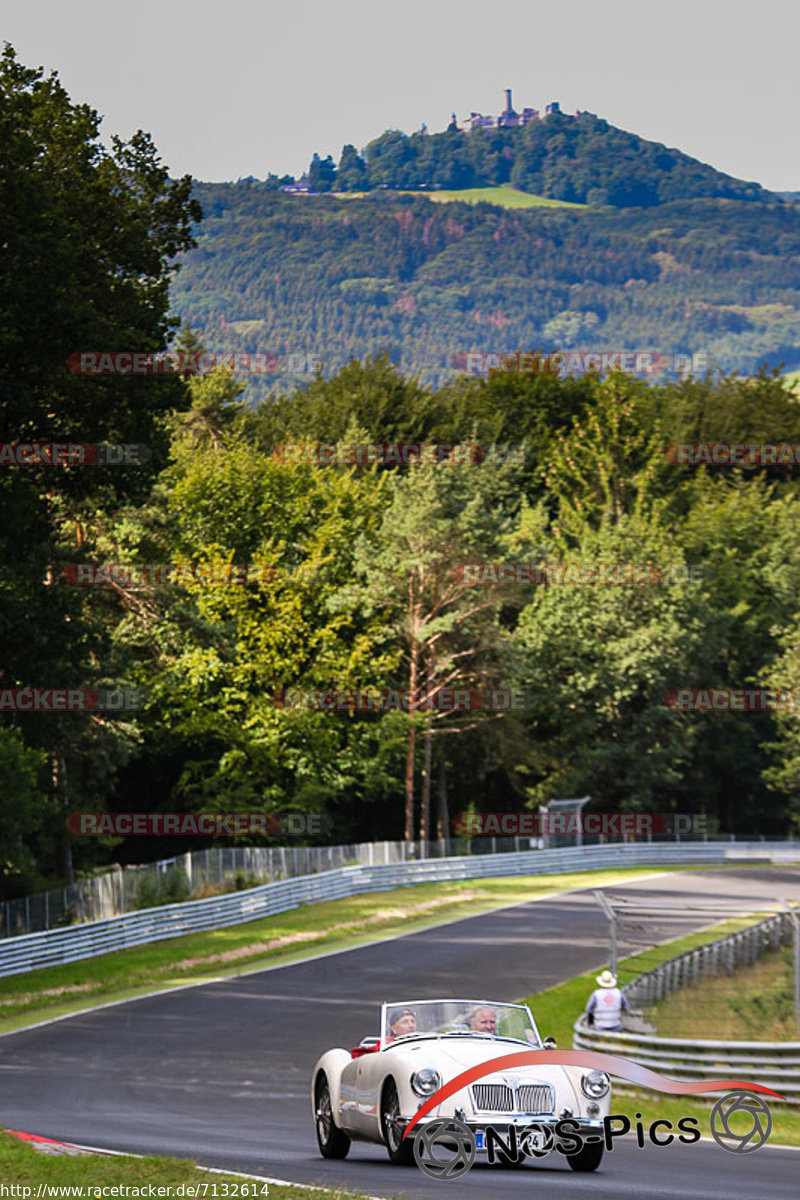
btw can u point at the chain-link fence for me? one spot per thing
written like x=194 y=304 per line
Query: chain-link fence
x=745 y=984
x=202 y=873
x=210 y=872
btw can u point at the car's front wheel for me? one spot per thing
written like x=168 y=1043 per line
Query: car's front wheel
x=588 y=1157
x=401 y=1153
x=332 y=1142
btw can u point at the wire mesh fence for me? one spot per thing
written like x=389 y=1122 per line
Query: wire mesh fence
x=211 y=872
x=741 y=985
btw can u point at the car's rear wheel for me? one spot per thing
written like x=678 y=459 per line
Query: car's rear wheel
x=588 y=1157
x=401 y=1153
x=330 y=1139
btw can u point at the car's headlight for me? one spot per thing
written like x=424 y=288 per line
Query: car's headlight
x=595 y=1084
x=426 y=1082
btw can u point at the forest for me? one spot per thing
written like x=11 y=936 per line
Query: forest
x=350 y=569
x=329 y=279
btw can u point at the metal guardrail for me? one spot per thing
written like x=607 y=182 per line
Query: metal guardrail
x=119 y=890
x=735 y=950
x=56 y=946
x=116 y=890
x=774 y=1064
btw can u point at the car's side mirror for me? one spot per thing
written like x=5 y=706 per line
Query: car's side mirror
x=549 y=1043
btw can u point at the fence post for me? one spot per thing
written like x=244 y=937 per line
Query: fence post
x=612 y=930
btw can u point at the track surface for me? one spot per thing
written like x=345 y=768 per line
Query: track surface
x=220 y=1073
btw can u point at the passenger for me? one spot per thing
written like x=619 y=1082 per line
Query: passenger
x=482 y=1019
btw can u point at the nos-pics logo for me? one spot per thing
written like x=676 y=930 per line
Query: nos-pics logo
x=446 y=1148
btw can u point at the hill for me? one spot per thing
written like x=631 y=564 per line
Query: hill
x=580 y=159
x=338 y=278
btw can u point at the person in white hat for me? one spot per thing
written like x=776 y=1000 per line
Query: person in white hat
x=606 y=1004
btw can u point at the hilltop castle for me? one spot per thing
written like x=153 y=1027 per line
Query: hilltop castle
x=508 y=119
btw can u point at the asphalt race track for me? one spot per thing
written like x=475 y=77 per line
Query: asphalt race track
x=220 y=1073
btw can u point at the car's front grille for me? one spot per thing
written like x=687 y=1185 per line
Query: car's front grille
x=535 y=1098
x=525 y=1098
x=492 y=1097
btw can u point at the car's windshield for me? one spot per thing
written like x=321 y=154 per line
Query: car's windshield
x=464 y=1018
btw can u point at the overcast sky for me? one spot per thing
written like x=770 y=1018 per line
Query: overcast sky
x=243 y=87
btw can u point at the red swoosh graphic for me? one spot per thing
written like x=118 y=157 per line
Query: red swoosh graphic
x=585 y=1058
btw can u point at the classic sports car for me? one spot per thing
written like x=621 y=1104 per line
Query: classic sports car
x=370 y=1093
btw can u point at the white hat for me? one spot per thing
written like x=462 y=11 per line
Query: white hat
x=607 y=980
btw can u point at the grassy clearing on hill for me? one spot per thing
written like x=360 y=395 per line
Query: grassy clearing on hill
x=335 y=925
x=503 y=195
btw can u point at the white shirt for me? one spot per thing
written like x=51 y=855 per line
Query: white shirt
x=607 y=1004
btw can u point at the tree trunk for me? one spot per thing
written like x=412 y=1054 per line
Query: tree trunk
x=424 y=819
x=412 y=742
x=61 y=796
x=442 y=814
x=410 y=755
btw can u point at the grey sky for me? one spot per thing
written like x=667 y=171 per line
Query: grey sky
x=242 y=87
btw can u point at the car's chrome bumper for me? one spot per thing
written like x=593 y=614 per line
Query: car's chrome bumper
x=503 y=1122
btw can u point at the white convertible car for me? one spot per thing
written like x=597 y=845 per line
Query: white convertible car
x=370 y=1093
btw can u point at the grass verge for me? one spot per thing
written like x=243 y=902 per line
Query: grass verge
x=272 y=941
x=23 y=1166
x=756 y=1004
x=557 y=1009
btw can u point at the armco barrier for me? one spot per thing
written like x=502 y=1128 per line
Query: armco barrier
x=55 y=946
x=774 y=1064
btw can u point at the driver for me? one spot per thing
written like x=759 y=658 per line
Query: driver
x=401 y=1022
x=483 y=1019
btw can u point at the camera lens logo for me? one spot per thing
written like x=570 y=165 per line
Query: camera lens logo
x=536 y=1140
x=454 y=1139
x=760 y=1123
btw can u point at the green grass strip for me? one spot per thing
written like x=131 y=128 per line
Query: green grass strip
x=22 y=1165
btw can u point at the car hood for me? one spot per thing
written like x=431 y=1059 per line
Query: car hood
x=451 y=1056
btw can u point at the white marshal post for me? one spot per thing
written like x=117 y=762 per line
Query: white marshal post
x=562 y=806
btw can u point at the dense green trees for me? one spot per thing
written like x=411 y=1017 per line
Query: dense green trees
x=351 y=575
x=88 y=240
x=355 y=585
